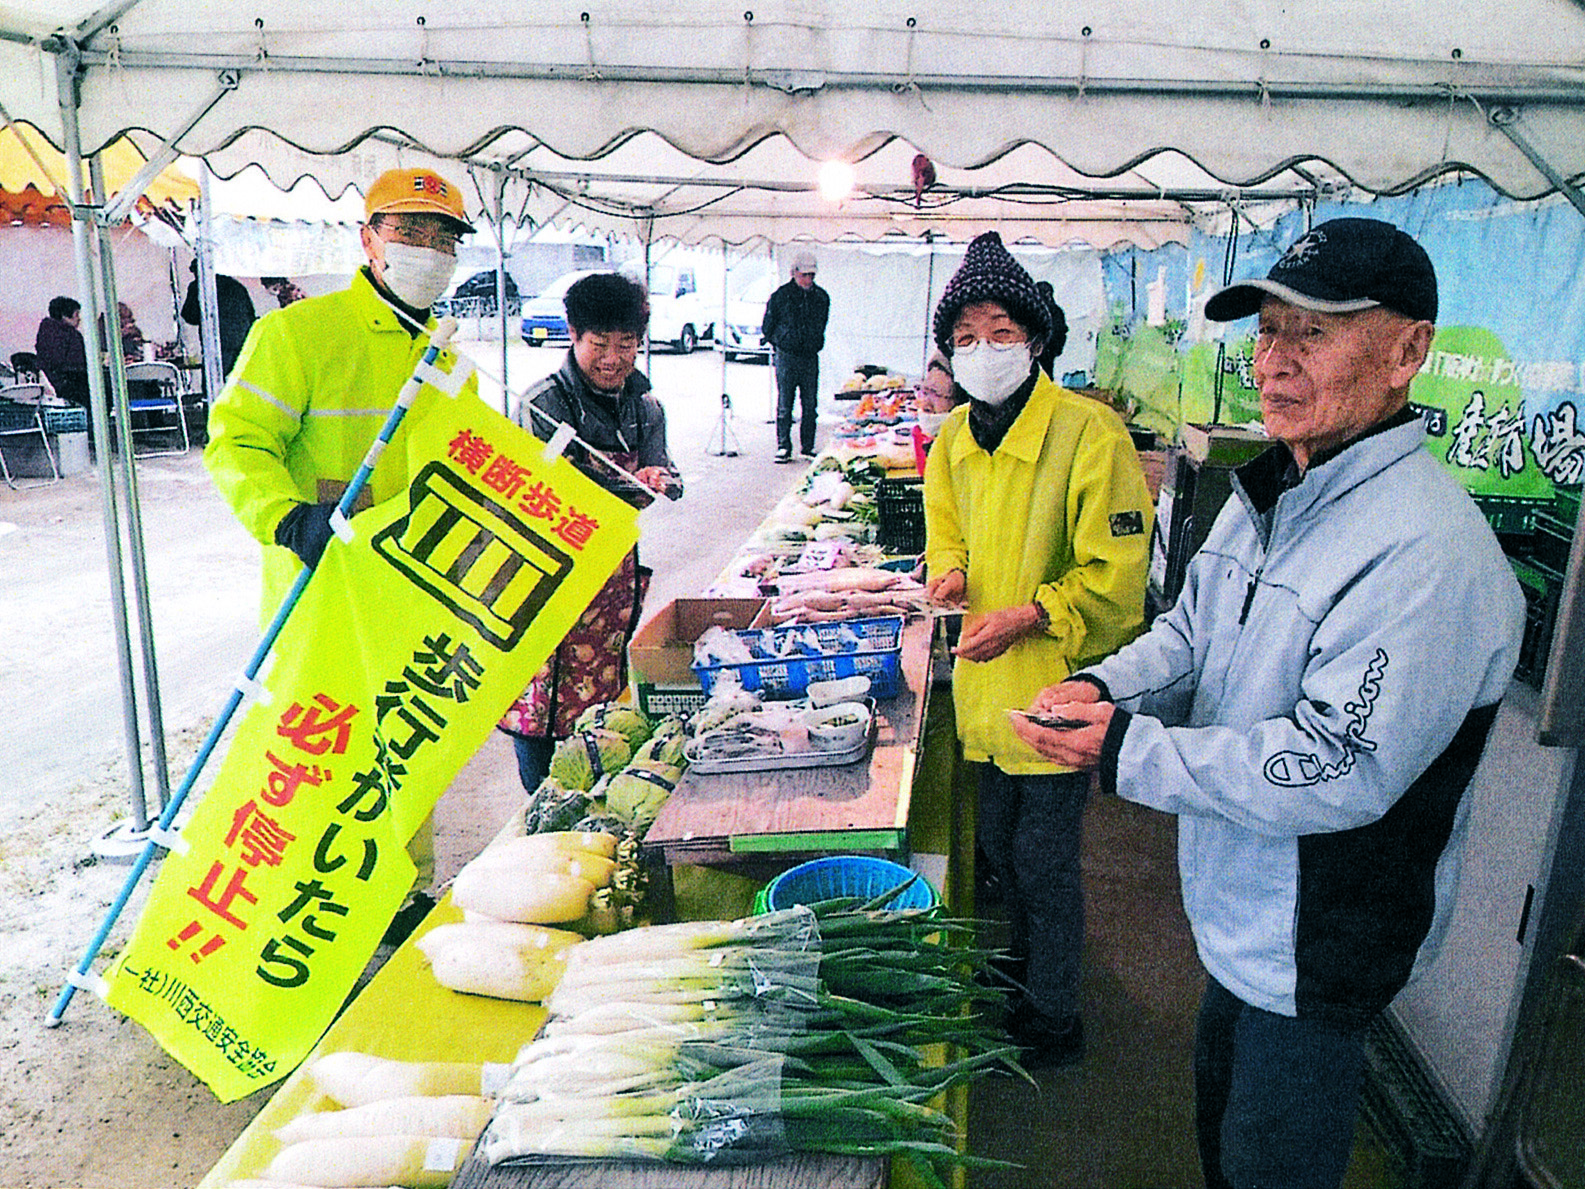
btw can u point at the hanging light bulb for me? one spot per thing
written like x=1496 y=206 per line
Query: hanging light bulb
x=835 y=180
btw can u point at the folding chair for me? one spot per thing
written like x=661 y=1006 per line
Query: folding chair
x=21 y=415
x=160 y=394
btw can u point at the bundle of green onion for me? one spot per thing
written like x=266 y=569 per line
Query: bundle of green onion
x=739 y=1041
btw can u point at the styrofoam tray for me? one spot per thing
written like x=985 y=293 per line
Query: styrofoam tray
x=788 y=760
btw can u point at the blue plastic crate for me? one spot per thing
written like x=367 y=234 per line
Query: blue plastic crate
x=876 y=657
x=70 y=419
x=849 y=875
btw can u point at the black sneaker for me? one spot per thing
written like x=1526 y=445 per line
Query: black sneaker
x=784 y=455
x=811 y=453
x=1046 y=1042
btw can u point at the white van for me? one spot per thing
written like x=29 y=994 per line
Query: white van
x=678 y=315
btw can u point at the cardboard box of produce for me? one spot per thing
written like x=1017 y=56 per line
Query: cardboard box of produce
x=662 y=650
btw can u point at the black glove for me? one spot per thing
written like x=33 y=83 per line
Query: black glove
x=305 y=530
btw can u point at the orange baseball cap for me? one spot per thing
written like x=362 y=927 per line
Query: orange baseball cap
x=415 y=192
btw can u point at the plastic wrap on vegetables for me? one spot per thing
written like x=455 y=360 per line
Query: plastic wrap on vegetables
x=620 y=717
x=636 y=793
x=582 y=758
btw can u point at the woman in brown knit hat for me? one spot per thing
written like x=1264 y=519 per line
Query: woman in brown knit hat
x=1038 y=525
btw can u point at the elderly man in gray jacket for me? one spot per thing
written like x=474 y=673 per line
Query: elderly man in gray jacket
x=1313 y=707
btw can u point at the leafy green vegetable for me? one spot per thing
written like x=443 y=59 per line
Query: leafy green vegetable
x=637 y=793
x=625 y=720
x=554 y=807
x=583 y=757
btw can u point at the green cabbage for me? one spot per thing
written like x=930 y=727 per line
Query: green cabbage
x=665 y=745
x=619 y=717
x=583 y=757
x=637 y=793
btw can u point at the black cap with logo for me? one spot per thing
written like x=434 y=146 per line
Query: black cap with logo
x=1340 y=267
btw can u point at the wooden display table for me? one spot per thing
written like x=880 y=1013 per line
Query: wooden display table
x=725 y=818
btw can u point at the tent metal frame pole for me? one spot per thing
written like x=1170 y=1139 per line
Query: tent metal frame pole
x=1506 y=121
x=499 y=220
x=805 y=82
x=88 y=262
x=136 y=555
x=208 y=294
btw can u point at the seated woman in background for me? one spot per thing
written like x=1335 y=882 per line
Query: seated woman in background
x=62 y=356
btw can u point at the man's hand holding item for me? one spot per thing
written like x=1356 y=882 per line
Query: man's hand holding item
x=305 y=530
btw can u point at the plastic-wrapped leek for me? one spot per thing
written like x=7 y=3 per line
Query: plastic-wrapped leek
x=742 y=1040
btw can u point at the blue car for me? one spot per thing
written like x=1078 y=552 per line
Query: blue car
x=545 y=316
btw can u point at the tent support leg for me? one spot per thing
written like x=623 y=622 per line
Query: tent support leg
x=88 y=263
x=1506 y=121
x=137 y=559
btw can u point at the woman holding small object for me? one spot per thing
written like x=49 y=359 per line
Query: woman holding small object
x=607 y=402
x=1037 y=524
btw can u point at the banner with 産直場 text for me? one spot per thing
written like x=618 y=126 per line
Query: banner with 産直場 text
x=407 y=646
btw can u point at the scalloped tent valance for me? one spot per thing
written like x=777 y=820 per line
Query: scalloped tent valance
x=702 y=120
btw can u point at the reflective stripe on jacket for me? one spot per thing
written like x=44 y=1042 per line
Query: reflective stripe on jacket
x=1059 y=514
x=309 y=393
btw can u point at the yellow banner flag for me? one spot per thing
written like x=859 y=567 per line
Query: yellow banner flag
x=407 y=646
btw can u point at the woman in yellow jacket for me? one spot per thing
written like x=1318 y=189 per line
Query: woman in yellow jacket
x=1038 y=525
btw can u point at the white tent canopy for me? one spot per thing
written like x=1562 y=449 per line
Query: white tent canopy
x=702 y=119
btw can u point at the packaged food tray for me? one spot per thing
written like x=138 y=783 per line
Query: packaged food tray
x=877 y=657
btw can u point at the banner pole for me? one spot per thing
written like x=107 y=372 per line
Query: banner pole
x=80 y=977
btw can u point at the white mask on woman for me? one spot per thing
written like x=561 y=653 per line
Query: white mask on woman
x=417 y=276
x=991 y=372
x=930 y=423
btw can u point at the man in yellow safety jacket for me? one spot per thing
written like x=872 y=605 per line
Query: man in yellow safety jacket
x=315 y=382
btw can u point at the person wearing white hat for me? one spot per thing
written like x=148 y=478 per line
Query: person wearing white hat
x=795 y=327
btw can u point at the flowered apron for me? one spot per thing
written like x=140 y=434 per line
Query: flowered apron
x=590 y=664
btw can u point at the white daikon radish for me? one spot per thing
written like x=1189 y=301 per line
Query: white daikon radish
x=459 y=1115
x=353 y=1079
x=503 y=961
x=414 y=1160
x=534 y=895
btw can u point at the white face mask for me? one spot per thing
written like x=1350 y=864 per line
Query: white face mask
x=417 y=276
x=930 y=423
x=991 y=372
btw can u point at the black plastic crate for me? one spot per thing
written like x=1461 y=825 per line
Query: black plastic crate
x=1404 y=1109
x=1551 y=541
x=1509 y=515
x=16 y=416
x=900 y=515
x=1543 y=587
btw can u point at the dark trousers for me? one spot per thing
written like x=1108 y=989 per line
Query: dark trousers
x=800 y=375
x=533 y=760
x=1275 y=1096
x=1029 y=831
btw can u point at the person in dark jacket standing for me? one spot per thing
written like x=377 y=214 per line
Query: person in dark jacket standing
x=607 y=402
x=233 y=309
x=795 y=325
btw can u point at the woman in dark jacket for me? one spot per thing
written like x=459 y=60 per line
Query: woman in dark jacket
x=59 y=346
x=606 y=401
